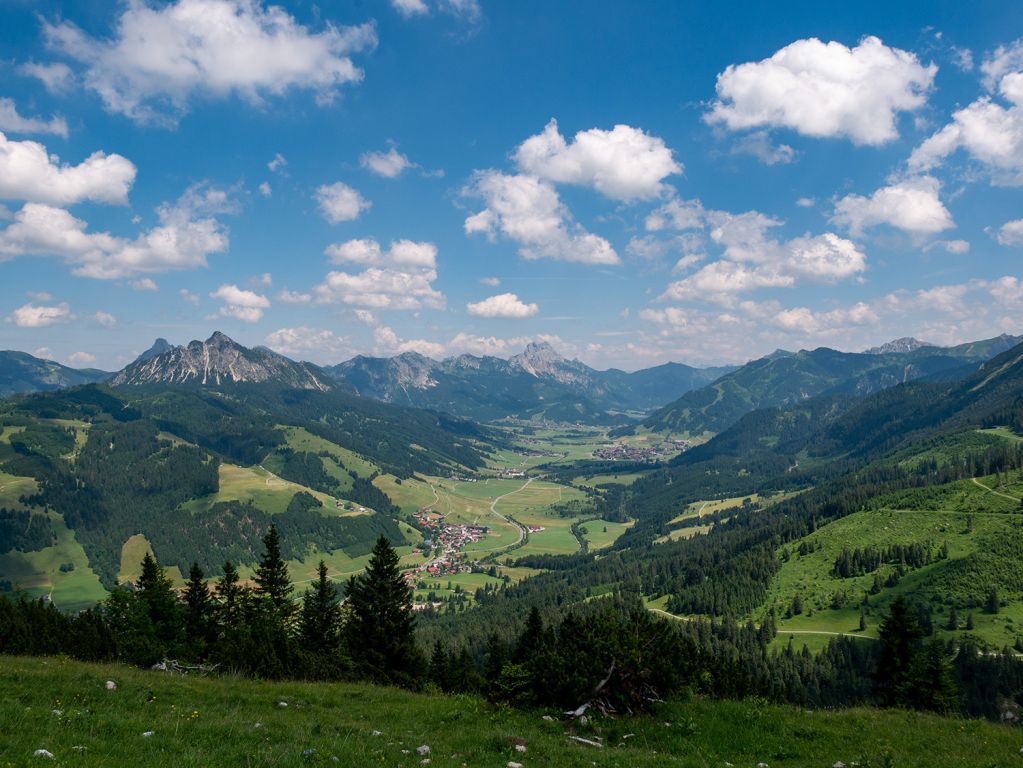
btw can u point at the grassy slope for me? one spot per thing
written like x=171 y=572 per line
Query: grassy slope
x=212 y=722
x=811 y=577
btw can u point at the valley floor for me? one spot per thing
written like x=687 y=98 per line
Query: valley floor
x=64 y=707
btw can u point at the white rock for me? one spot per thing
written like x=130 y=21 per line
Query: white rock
x=520 y=748
x=838 y=764
x=258 y=725
x=282 y=705
x=762 y=765
x=550 y=719
x=111 y=685
x=43 y=753
x=423 y=750
x=375 y=733
x=147 y=734
x=514 y=765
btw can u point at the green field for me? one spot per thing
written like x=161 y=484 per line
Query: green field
x=464 y=502
x=197 y=722
x=264 y=490
x=833 y=604
x=303 y=440
x=600 y=534
x=38 y=573
x=13 y=487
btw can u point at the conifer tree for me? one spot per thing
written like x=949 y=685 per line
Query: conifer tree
x=230 y=593
x=900 y=635
x=953 y=619
x=199 y=611
x=379 y=631
x=154 y=589
x=273 y=583
x=320 y=619
x=931 y=685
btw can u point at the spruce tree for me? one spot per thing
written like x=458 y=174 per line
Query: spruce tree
x=273 y=583
x=900 y=636
x=953 y=619
x=931 y=685
x=198 y=612
x=320 y=619
x=154 y=589
x=379 y=631
x=230 y=593
x=991 y=604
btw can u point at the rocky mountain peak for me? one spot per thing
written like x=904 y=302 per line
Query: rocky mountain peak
x=219 y=360
x=898 y=346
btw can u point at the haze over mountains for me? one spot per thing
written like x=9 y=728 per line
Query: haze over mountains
x=537 y=383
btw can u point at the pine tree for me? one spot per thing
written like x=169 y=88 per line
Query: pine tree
x=154 y=589
x=931 y=685
x=969 y=622
x=531 y=637
x=273 y=583
x=900 y=635
x=953 y=619
x=230 y=593
x=199 y=622
x=991 y=605
x=379 y=632
x=320 y=619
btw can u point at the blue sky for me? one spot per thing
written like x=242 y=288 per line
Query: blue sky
x=635 y=182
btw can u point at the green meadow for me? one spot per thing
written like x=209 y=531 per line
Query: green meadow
x=195 y=722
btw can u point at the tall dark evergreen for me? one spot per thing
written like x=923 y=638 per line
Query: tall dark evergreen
x=154 y=590
x=900 y=635
x=320 y=620
x=273 y=583
x=379 y=631
x=931 y=683
x=199 y=620
x=230 y=594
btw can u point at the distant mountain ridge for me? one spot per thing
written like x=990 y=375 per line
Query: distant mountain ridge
x=783 y=379
x=537 y=382
x=21 y=373
x=218 y=360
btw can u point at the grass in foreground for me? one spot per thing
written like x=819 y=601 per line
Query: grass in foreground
x=63 y=707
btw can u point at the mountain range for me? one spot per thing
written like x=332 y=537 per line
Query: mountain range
x=537 y=382
x=785 y=378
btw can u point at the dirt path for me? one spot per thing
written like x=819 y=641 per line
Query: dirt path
x=493 y=508
x=996 y=493
x=779 y=632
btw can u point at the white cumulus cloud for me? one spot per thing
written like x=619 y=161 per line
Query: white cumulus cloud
x=989 y=132
x=1011 y=233
x=825 y=90
x=186 y=235
x=240 y=304
x=502 y=305
x=40 y=316
x=528 y=211
x=400 y=277
x=623 y=164
x=161 y=56
x=912 y=205
x=389 y=164
x=12 y=122
x=318 y=345
x=338 y=202
x=28 y=172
